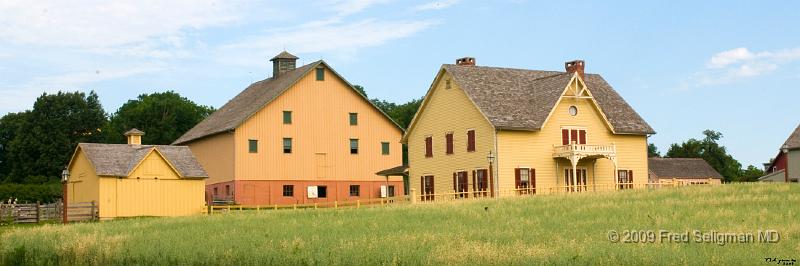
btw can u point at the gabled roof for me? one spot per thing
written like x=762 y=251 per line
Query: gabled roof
x=120 y=159
x=521 y=99
x=254 y=98
x=682 y=168
x=134 y=132
x=793 y=142
x=284 y=55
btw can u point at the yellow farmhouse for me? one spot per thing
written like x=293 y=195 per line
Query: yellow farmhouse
x=128 y=180
x=537 y=130
x=304 y=135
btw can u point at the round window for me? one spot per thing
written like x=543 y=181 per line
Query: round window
x=573 y=111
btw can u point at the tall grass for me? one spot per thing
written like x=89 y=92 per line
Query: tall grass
x=563 y=229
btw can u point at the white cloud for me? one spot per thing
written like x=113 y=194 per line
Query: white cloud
x=436 y=5
x=740 y=63
x=104 y=25
x=331 y=37
x=349 y=7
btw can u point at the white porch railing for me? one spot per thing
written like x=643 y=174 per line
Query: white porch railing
x=584 y=150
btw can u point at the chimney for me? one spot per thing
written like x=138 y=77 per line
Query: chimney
x=282 y=63
x=134 y=136
x=465 y=61
x=575 y=66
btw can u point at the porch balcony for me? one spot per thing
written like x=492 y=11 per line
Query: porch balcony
x=584 y=151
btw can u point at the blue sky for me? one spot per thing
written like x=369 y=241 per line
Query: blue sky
x=685 y=66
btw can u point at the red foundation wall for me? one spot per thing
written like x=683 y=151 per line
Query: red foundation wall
x=270 y=192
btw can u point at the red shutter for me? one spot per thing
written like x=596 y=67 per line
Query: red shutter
x=474 y=181
x=428 y=147
x=422 y=184
x=564 y=136
x=573 y=136
x=516 y=178
x=582 y=139
x=630 y=177
x=454 y=182
x=449 y=139
x=471 y=140
x=533 y=180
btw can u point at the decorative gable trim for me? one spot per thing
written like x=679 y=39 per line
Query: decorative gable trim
x=581 y=91
x=163 y=158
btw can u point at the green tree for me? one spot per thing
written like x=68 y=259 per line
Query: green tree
x=708 y=149
x=48 y=134
x=360 y=89
x=9 y=125
x=164 y=117
x=652 y=151
x=751 y=174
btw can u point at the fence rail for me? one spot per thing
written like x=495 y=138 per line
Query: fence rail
x=329 y=204
x=52 y=212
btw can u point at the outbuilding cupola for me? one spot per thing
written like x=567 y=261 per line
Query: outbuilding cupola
x=282 y=63
x=134 y=136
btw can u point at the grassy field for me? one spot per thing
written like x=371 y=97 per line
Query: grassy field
x=570 y=229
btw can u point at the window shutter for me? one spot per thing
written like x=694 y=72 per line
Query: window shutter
x=630 y=176
x=516 y=178
x=422 y=184
x=455 y=188
x=564 y=136
x=471 y=140
x=574 y=136
x=533 y=179
x=474 y=181
x=449 y=139
x=433 y=185
x=428 y=147
x=582 y=136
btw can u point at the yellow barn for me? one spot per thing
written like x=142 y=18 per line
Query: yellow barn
x=501 y=129
x=129 y=180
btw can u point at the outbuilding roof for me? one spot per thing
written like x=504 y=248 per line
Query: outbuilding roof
x=682 y=168
x=120 y=159
x=521 y=99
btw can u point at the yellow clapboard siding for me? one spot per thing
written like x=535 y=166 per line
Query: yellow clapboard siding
x=216 y=155
x=83 y=185
x=535 y=149
x=447 y=110
x=320 y=132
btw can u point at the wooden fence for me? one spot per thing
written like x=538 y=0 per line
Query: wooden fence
x=330 y=204
x=52 y=212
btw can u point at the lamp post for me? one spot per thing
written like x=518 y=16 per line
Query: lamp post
x=64 y=184
x=490 y=158
x=785 y=149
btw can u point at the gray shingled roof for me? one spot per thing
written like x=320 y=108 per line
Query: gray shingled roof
x=284 y=55
x=134 y=131
x=244 y=105
x=521 y=99
x=254 y=98
x=394 y=171
x=793 y=142
x=686 y=168
x=120 y=159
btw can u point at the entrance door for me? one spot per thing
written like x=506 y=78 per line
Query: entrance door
x=460 y=184
x=575 y=184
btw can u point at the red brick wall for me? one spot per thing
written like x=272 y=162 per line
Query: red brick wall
x=268 y=192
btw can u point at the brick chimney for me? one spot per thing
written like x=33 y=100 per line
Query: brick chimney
x=134 y=136
x=575 y=66
x=465 y=61
x=282 y=63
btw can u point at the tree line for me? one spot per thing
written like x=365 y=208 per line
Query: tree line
x=714 y=154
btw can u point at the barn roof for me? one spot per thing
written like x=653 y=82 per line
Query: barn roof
x=682 y=168
x=120 y=159
x=522 y=99
x=254 y=98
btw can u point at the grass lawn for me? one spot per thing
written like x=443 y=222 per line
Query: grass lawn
x=571 y=229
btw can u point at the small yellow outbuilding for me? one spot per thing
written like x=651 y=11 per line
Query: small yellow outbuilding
x=129 y=180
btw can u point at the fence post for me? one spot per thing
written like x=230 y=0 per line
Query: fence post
x=709 y=181
x=276 y=207
x=358 y=203
x=413 y=195
x=315 y=205
x=258 y=207
x=210 y=210
x=335 y=204
x=294 y=207
x=38 y=213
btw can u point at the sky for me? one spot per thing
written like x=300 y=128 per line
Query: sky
x=684 y=66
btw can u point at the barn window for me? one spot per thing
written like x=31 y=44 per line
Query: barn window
x=353 y=119
x=355 y=190
x=353 y=146
x=385 y=148
x=322 y=192
x=391 y=191
x=320 y=74
x=287 y=145
x=215 y=191
x=288 y=190
x=228 y=190
x=287 y=117
x=252 y=145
